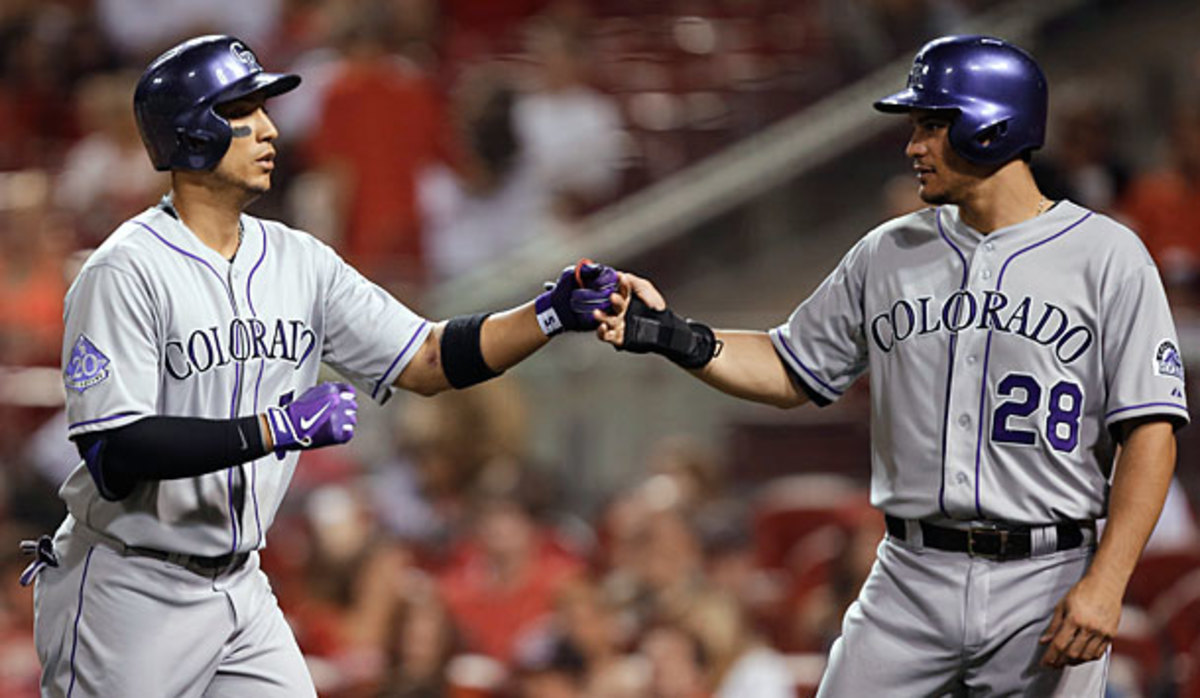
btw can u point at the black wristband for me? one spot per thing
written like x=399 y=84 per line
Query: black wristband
x=462 y=359
x=167 y=448
x=689 y=344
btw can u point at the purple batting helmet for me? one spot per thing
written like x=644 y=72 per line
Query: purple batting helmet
x=176 y=98
x=996 y=91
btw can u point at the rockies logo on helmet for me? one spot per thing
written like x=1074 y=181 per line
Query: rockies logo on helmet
x=245 y=55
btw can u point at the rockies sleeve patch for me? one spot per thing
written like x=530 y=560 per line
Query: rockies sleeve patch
x=87 y=367
x=1167 y=361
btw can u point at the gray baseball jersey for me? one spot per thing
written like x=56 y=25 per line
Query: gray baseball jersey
x=997 y=362
x=159 y=324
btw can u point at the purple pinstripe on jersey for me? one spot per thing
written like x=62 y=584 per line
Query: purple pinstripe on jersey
x=233 y=522
x=250 y=277
x=233 y=519
x=987 y=352
x=937 y=215
x=102 y=419
x=87 y=563
x=379 y=383
x=262 y=363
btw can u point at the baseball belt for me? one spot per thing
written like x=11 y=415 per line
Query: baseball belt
x=204 y=566
x=994 y=542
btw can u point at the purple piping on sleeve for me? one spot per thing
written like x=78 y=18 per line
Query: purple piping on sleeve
x=787 y=347
x=1146 y=404
x=79 y=614
x=937 y=214
x=379 y=383
x=987 y=353
x=101 y=419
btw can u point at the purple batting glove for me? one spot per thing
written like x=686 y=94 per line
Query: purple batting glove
x=323 y=415
x=567 y=305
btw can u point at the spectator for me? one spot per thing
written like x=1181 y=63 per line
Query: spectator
x=678 y=661
x=501 y=590
x=105 y=177
x=443 y=445
x=422 y=644
x=34 y=244
x=34 y=125
x=1164 y=205
x=740 y=663
x=559 y=675
x=571 y=130
x=142 y=28
x=1083 y=165
x=19 y=668
x=494 y=202
x=380 y=124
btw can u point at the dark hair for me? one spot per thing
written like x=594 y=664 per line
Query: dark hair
x=492 y=133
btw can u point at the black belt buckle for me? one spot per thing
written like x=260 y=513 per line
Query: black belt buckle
x=216 y=566
x=1000 y=535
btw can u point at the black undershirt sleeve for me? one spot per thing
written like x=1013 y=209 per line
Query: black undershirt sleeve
x=167 y=448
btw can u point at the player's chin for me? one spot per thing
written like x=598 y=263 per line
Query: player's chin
x=933 y=196
x=259 y=185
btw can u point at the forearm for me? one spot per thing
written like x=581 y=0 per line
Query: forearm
x=508 y=337
x=749 y=368
x=169 y=448
x=1143 y=474
x=504 y=340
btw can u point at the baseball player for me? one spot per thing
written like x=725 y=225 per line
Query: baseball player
x=193 y=341
x=1012 y=343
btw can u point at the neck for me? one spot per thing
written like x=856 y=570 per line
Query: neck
x=1007 y=197
x=211 y=212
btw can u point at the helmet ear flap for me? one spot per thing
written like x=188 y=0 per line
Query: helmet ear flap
x=987 y=136
x=197 y=148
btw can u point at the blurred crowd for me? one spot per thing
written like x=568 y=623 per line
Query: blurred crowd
x=430 y=136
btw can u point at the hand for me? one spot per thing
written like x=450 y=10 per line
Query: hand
x=570 y=303
x=1083 y=626
x=323 y=415
x=611 y=326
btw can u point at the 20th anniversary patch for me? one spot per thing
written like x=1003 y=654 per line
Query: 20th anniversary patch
x=87 y=367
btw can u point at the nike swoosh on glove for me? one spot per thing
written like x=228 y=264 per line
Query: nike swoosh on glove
x=323 y=415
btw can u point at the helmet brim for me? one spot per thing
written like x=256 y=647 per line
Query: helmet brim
x=906 y=100
x=270 y=84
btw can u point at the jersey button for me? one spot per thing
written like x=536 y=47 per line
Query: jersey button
x=971 y=359
x=987 y=273
x=989 y=246
x=964 y=420
x=961 y=478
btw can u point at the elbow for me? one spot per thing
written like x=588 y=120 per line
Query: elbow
x=786 y=402
x=429 y=388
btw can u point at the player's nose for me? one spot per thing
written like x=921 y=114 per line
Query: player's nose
x=266 y=127
x=916 y=146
